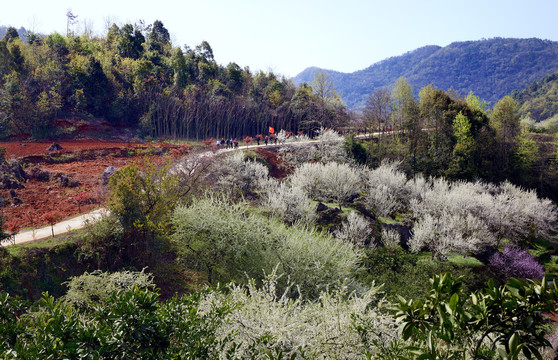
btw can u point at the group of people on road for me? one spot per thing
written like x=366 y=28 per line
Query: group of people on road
x=267 y=140
x=227 y=144
x=233 y=143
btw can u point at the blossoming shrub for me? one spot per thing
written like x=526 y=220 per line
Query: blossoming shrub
x=386 y=189
x=327 y=182
x=338 y=324
x=237 y=175
x=289 y=203
x=356 y=229
x=515 y=262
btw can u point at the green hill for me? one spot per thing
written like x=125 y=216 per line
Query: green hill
x=491 y=68
x=539 y=100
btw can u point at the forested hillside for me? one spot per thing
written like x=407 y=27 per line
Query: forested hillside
x=135 y=77
x=539 y=100
x=491 y=68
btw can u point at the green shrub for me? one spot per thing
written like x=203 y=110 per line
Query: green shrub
x=232 y=244
x=91 y=289
x=406 y=274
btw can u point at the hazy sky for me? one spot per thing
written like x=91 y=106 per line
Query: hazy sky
x=287 y=36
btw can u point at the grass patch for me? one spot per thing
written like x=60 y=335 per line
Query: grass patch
x=465 y=261
x=388 y=220
x=426 y=258
x=333 y=205
x=18 y=250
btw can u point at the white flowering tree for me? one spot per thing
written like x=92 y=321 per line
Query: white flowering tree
x=331 y=181
x=356 y=229
x=237 y=175
x=290 y=203
x=507 y=211
x=331 y=146
x=450 y=233
x=386 y=189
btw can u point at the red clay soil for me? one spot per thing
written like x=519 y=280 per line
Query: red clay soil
x=272 y=158
x=21 y=148
x=42 y=197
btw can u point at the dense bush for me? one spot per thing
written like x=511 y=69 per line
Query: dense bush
x=331 y=326
x=230 y=243
x=515 y=262
x=289 y=203
x=91 y=289
x=129 y=324
x=505 y=322
x=239 y=323
x=406 y=274
x=356 y=229
x=327 y=182
x=238 y=175
x=386 y=189
x=263 y=322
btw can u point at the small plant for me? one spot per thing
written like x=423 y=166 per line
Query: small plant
x=391 y=239
x=83 y=198
x=52 y=217
x=12 y=228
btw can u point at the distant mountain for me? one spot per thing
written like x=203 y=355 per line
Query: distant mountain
x=491 y=68
x=21 y=32
x=539 y=100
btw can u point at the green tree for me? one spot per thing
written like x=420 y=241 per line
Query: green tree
x=180 y=68
x=404 y=104
x=142 y=199
x=329 y=111
x=158 y=39
x=303 y=106
x=129 y=41
x=378 y=114
x=526 y=156
x=505 y=122
x=205 y=52
x=475 y=103
x=435 y=108
x=18 y=60
x=11 y=34
x=235 y=77
x=461 y=165
x=16 y=112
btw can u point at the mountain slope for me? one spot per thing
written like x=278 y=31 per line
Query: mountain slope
x=491 y=68
x=539 y=100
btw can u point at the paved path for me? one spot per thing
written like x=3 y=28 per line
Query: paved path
x=62 y=227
